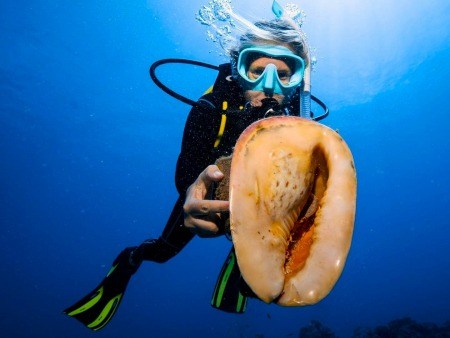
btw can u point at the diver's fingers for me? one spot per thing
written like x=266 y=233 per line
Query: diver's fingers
x=199 y=188
x=200 y=207
x=211 y=174
x=202 y=227
x=195 y=203
x=201 y=215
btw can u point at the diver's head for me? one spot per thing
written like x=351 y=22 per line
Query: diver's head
x=270 y=61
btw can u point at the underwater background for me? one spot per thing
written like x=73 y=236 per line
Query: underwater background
x=88 y=147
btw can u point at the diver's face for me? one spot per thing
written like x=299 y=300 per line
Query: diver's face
x=255 y=69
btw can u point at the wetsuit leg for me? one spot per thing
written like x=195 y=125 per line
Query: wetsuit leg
x=174 y=238
x=96 y=309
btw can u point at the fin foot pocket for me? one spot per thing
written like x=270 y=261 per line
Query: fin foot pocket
x=229 y=294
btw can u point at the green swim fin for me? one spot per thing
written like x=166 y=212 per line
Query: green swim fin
x=96 y=309
x=228 y=294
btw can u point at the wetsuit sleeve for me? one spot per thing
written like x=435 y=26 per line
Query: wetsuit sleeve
x=197 y=151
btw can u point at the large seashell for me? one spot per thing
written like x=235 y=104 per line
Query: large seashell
x=292 y=208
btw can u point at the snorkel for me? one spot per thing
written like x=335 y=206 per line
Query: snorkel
x=305 y=90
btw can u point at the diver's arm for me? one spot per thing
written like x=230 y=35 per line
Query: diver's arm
x=197 y=154
x=197 y=147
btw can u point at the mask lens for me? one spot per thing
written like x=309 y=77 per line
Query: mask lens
x=253 y=78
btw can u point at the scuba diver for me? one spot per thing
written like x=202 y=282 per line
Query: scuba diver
x=266 y=76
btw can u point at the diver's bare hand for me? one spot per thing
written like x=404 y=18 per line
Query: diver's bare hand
x=200 y=215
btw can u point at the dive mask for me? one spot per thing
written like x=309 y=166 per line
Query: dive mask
x=269 y=81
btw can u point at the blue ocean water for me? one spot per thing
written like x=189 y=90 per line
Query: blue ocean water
x=88 y=147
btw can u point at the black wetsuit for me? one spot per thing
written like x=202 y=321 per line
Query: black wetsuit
x=197 y=152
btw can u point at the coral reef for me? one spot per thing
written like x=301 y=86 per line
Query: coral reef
x=399 y=328
x=405 y=327
x=315 y=330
